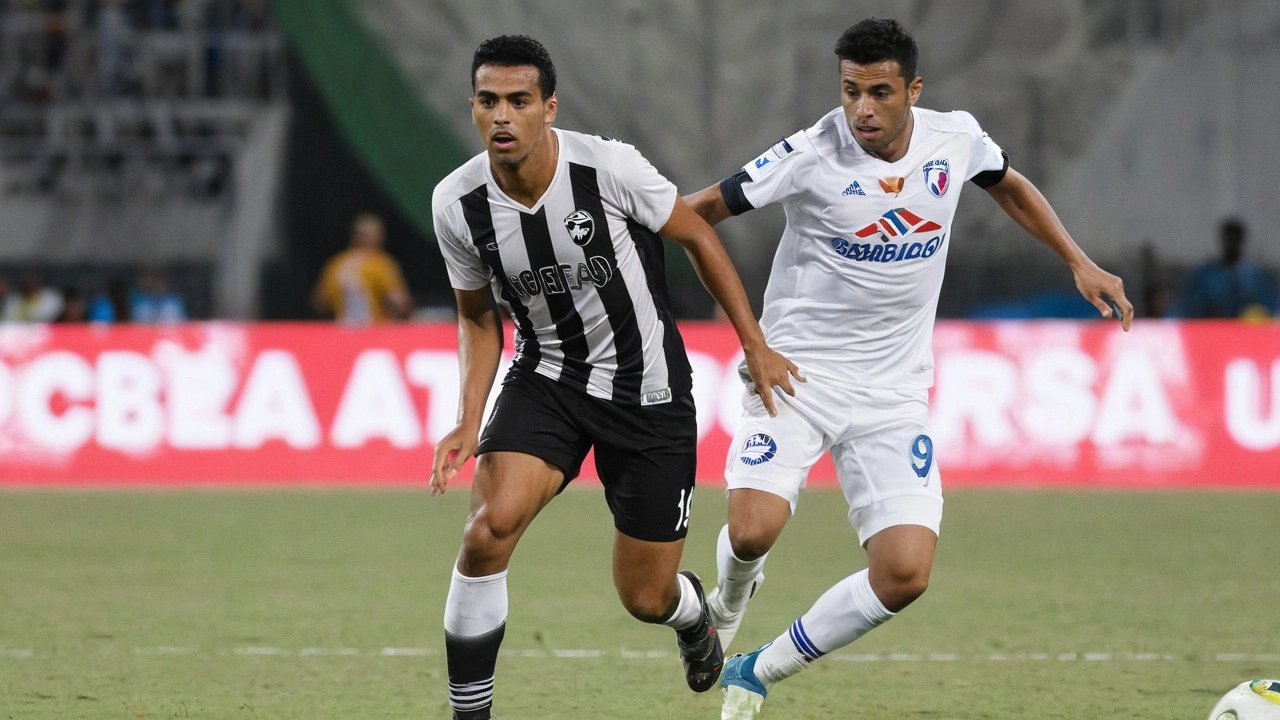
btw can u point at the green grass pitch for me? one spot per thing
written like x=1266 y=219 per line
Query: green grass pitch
x=327 y=603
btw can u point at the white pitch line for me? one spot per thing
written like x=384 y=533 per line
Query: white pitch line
x=407 y=651
x=630 y=654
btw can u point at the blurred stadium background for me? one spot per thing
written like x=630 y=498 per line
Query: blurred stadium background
x=167 y=161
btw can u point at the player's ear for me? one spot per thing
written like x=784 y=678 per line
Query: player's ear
x=914 y=88
x=550 y=109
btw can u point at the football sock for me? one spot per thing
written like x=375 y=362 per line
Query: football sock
x=735 y=576
x=846 y=612
x=688 y=609
x=475 y=618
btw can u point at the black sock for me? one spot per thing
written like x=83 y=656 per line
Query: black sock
x=471 y=662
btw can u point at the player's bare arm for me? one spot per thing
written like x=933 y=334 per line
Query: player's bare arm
x=768 y=368
x=479 y=351
x=709 y=204
x=1023 y=202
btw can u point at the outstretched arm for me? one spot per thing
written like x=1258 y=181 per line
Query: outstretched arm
x=768 y=369
x=479 y=350
x=709 y=204
x=1023 y=202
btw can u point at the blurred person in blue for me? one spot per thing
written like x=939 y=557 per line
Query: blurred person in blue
x=153 y=302
x=1229 y=286
x=113 y=305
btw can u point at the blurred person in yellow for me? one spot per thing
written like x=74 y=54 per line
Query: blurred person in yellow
x=363 y=284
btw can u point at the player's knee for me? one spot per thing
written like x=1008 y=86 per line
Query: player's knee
x=648 y=606
x=488 y=532
x=903 y=585
x=750 y=543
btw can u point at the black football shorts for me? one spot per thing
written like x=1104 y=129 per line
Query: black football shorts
x=646 y=455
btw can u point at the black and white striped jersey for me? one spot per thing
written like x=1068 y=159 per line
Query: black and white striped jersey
x=581 y=272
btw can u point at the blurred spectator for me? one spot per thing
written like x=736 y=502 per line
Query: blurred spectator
x=75 y=309
x=153 y=302
x=362 y=284
x=1230 y=286
x=32 y=302
x=115 y=35
x=112 y=306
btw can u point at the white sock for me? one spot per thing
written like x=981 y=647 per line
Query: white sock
x=846 y=612
x=735 y=576
x=475 y=605
x=688 y=610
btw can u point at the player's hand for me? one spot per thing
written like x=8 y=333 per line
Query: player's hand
x=451 y=453
x=769 y=369
x=1098 y=286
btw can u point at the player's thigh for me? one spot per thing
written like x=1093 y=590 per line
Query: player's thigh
x=889 y=476
x=647 y=459
x=531 y=447
x=772 y=454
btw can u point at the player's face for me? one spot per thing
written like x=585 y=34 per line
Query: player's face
x=877 y=102
x=510 y=113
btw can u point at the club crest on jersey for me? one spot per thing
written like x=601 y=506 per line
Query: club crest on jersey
x=581 y=227
x=937 y=176
x=759 y=448
x=893 y=185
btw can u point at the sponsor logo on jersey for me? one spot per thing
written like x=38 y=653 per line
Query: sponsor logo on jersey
x=854 y=189
x=581 y=227
x=937 y=176
x=759 y=448
x=893 y=185
x=897 y=222
x=562 y=278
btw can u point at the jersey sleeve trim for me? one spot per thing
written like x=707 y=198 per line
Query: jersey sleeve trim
x=734 y=197
x=990 y=178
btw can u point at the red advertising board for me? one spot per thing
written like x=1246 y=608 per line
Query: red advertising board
x=1191 y=404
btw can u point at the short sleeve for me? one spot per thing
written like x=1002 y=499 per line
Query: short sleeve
x=987 y=162
x=466 y=270
x=641 y=192
x=769 y=178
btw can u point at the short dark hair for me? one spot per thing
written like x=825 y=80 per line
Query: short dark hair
x=875 y=40
x=1232 y=227
x=513 y=50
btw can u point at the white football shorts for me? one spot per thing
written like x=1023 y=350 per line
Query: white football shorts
x=879 y=442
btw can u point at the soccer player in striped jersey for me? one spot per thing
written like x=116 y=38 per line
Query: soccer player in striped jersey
x=563 y=229
x=870 y=192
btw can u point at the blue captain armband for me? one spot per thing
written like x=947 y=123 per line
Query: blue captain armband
x=734 y=198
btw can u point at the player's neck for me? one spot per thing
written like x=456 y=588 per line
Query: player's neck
x=527 y=181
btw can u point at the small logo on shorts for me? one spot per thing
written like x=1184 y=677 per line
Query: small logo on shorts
x=657 y=396
x=758 y=448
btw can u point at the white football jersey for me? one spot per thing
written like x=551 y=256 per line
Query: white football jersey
x=855 y=282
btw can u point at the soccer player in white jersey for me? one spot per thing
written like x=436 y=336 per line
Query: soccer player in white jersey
x=869 y=193
x=562 y=229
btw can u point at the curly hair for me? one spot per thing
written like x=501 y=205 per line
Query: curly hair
x=875 y=40
x=512 y=50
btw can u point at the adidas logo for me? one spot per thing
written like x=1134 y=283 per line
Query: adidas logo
x=854 y=189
